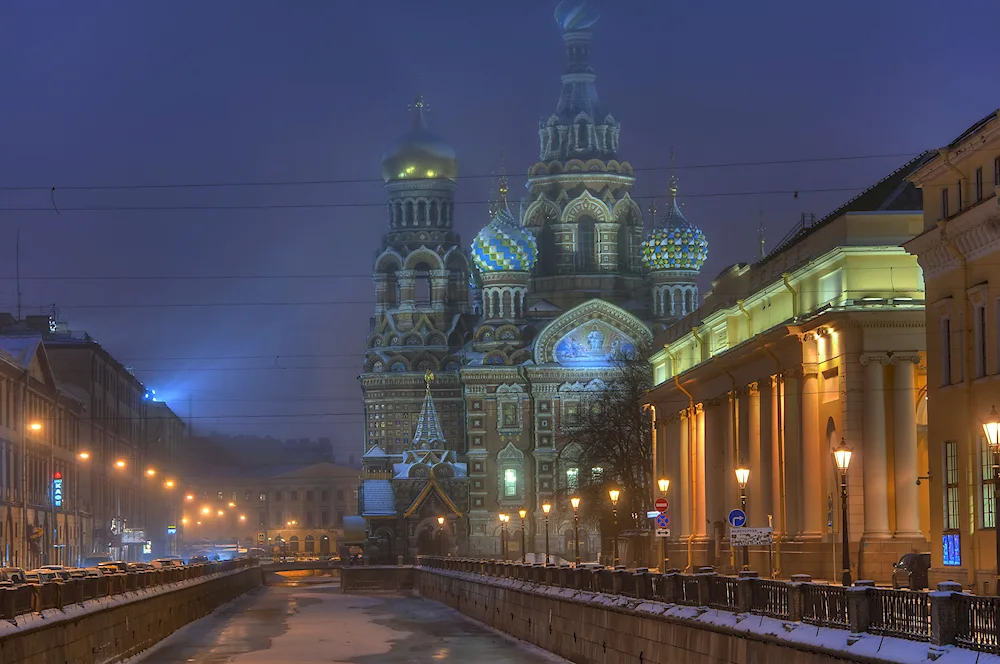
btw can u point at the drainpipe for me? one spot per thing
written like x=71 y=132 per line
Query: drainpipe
x=970 y=415
x=652 y=478
x=701 y=342
x=691 y=469
x=781 y=463
x=530 y=425
x=785 y=276
x=746 y=314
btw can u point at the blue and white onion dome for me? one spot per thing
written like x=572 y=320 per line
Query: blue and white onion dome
x=504 y=245
x=675 y=245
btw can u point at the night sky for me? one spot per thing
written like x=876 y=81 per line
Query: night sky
x=146 y=93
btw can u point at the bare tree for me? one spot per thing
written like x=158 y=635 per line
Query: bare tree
x=614 y=435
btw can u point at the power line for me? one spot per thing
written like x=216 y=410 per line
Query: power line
x=318 y=182
x=192 y=277
x=209 y=358
x=382 y=204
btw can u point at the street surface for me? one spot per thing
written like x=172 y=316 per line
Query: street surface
x=305 y=623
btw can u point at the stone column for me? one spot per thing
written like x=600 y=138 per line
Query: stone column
x=812 y=480
x=905 y=446
x=775 y=441
x=759 y=475
x=791 y=411
x=700 y=514
x=873 y=448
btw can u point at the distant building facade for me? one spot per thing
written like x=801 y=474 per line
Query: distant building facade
x=45 y=515
x=959 y=251
x=294 y=510
x=819 y=342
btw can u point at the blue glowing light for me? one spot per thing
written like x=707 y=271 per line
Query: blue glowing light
x=952 y=548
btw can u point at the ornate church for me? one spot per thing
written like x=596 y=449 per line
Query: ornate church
x=480 y=358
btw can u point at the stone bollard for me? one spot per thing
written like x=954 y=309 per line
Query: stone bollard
x=859 y=608
x=8 y=600
x=642 y=581
x=668 y=586
x=702 y=579
x=619 y=581
x=796 y=596
x=744 y=592
x=944 y=613
x=864 y=583
x=399 y=561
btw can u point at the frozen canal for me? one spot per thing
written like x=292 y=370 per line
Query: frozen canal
x=316 y=623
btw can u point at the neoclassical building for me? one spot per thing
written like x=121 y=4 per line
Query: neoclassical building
x=819 y=342
x=518 y=329
x=959 y=251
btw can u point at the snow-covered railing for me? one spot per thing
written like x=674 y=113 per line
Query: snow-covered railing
x=38 y=597
x=943 y=617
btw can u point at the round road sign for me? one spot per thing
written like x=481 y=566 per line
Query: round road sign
x=661 y=504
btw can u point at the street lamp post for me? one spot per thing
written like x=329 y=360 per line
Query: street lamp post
x=742 y=477
x=546 y=508
x=614 y=494
x=575 y=502
x=522 y=513
x=441 y=535
x=664 y=486
x=503 y=535
x=842 y=457
x=992 y=430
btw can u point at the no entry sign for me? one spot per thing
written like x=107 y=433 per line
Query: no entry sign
x=661 y=504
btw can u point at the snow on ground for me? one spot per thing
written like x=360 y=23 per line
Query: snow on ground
x=882 y=648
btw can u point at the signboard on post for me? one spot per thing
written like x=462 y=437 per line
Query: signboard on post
x=663 y=532
x=260 y=538
x=662 y=521
x=750 y=537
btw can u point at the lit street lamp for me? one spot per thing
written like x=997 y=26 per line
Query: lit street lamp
x=575 y=502
x=664 y=485
x=742 y=477
x=522 y=513
x=992 y=430
x=842 y=457
x=546 y=508
x=441 y=534
x=614 y=494
x=503 y=534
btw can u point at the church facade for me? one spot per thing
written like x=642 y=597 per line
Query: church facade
x=480 y=359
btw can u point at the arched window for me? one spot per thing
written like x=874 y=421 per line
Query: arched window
x=586 y=244
x=421 y=285
x=422 y=212
x=547 y=250
x=510 y=469
x=510 y=482
x=293 y=544
x=409 y=214
x=310 y=544
x=434 y=213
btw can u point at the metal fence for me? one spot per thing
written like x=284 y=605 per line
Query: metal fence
x=945 y=617
x=35 y=598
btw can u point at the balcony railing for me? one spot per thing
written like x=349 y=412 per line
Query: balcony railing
x=945 y=617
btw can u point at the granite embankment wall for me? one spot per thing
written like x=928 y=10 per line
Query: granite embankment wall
x=588 y=627
x=117 y=627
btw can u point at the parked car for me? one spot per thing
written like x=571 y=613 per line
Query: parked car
x=911 y=571
x=95 y=560
x=61 y=571
x=117 y=567
x=91 y=572
x=41 y=576
x=139 y=567
x=13 y=575
x=167 y=563
x=196 y=560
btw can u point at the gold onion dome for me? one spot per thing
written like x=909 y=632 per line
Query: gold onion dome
x=419 y=154
x=675 y=243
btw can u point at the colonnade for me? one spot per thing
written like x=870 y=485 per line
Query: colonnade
x=775 y=428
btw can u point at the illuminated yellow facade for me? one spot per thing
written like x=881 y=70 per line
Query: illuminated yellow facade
x=820 y=341
x=959 y=252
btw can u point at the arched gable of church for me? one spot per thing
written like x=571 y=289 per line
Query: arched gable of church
x=590 y=334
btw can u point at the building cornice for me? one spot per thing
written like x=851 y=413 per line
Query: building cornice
x=967 y=237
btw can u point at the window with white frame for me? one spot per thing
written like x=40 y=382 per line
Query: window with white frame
x=987 y=483
x=573 y=478
x=979 y=334
x=510 y=482
x=951 y=496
